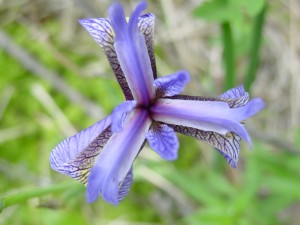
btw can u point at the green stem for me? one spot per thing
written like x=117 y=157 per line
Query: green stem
x=13 y=199
x=255 y=48
x=228 y=55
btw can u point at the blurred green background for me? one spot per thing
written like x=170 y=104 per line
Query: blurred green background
x=55 y=80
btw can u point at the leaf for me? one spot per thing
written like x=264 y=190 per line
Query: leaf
x=228 y=10
x=218 y=11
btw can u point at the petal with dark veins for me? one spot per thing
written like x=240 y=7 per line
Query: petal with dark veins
x=75 y=156
x=163 y=140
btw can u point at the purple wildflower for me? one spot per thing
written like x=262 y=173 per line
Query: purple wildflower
x=102 y=155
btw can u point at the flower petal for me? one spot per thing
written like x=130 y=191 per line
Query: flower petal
x=163 y=140
x=119 y=114
x=102 y=32
x=116 y=158
x=236 y=97
x=228 y=145
x=76 y=155
x=206 y=115
x=172 y=84
x=146 y=26
x=132 y=52
x=125 y=186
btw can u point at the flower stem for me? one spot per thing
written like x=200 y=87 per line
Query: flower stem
x=9 y=200
x=255 y=48
x=228 y=55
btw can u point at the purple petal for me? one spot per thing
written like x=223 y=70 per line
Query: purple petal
x=76 y=155
x=206 y=115
x=119 y=114
x=172 y=84
x=132 y=53
x=116 y=158
x=125 y=185
x=163 y=140
x=146 y=26
x=101 y=30
x=236 y=97
x=228 y=145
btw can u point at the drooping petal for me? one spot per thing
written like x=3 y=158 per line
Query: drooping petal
x=228 y=145
x=206 y=115
x=172 y=84
x=163 y=140
x=119 y=113
x=125 y=186
x=116 y=158
x=102 y=32
x=76 y=155
x=132 y=52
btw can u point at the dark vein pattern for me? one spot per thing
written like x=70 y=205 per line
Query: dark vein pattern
x=125 y=186
x=79 y=168
x=228 y=145
x=102 y=32
x=146 y=26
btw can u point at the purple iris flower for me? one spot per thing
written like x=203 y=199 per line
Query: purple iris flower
x=102 y=155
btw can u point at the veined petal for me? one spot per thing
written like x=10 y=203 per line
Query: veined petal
x=102 y=32
x=228 y=145
x=146 y=27
x=132 y=53
x=236 y=97
x=116 y=158
x=119 y=114
x=163 y=140
x=125 y=186
x=206 y=115
x=76 y=155
x=172 y=84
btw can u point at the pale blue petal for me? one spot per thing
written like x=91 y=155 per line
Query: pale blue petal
x=116 y=158
x=172 y=84
x=163 y=140
x=119 y=113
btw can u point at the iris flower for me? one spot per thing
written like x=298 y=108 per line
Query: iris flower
x=102 y=155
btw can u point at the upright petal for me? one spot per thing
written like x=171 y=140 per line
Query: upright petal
x=163 y=140
x=132 y=53
x=76 y=155
x=206 y=115
x=172 y=84
x=102 y=32
x=146 y=26
x=116 y=158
